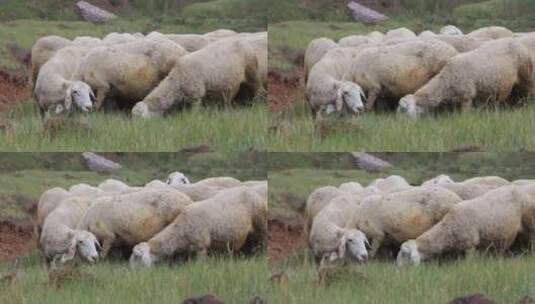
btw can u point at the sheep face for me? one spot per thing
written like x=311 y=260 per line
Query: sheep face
x=141 y=256
x=355 y=242
x=408 y=106
x=81 y=94
x=177 y=178
x=451 y=30
x=85 y=243
x=409 y=254
x=439 y=180
x=351 y=95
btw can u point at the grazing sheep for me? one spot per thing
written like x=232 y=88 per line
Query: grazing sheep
x=55 y=89
x=220 y=182
x=203 y=76
x=491 y=220
x=222 y=223
x=393 y=183
x=325 y=87
x=438 y=180
x=128 y=219
x=118 y=38
x=490 y=181
x=261 y=187
x=400 y=33
x=401 y=216
x=462 y=44
x=350 y=187
x=83 y=189
x=491 y=32
x=426 y=35
x=197 y=192
x=259 y=42
x=317 y=200
x=191 y=42
x=465 y=191
x=394 y=71
x=315 y=51
x=329 y=238
x=86 y=41
x=498 y=72
x=113 y=186
x=177 y=178
x=48 y=201
x=354 y=40
x=60 y=240
x=130 y=71
x=451 y=31
x=44 y=49
x=376 y=36
x=221 y=33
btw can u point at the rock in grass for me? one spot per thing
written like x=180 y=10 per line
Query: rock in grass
x=472 y=299
x=369 y=162
x=206 y=299
x=98 y=163
x=91 y=13
x=364 y=14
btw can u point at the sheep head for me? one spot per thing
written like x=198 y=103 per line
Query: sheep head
x=409 y=254
x=351 y=95
x=141 y=256
x=81 y=94
x=451 y=30
x=439 y=180
x=84 y=243
x=177 y=178
x=408 y=106
x=355 y=242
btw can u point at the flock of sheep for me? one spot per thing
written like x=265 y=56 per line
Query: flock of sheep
x=419 y=74
x=437 y=218
x=156 y=222
x=148 y=74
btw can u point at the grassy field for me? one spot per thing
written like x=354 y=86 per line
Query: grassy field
x=292 y=176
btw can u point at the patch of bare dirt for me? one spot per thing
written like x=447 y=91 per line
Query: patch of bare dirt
x=16 y=238
x=286 y=236
x=13 y=87
x=284 y=88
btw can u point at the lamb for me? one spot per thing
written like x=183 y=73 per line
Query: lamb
x=491 y=220
x=400 y=33
x=451 y=31
x=128 y=219
x=128 y=71
x=394 y=71
x=177 y=178
x=56 y=90
x=48 y=201
x=401 y=216
x=222 y=223
x=325 y=85
x=202 y=75
x=498 y=72
x=491 y=32
x=393 y=183
x=60 y=240
x=44 y=49
x=329 y=238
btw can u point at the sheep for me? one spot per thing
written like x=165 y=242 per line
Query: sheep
x=451 y=31
x=113 y=186
x=48 y=201
x=490 y=181
x=491 y=32
x=44 y=49
x=197 y=192
x=259 y=42
x=60 y=240
x=376 y=36
x=221 y=33
x=55 y=89
x=354 y=40
x=329 y=239
x=317 y=200
x=191 y=42
x=491 y=220
x=438 y=180
x=128 y=71
x=128 y=219
x=394 y=71
x=350 y=187
x=221 y=182
x=315 y=51
x=83 y=189
x=325 y=85
x=392 y=183
x=523 y=182
x=177 y=178
x=203 y=75
x=529 y=42
x=86 y=41
x=261 y=187
x=118 y=38
x=223 y=222
x=401 y=216
x=498 y=72
x=462 y=44
x=155 y=184
x=399 y=33
x=426 y=35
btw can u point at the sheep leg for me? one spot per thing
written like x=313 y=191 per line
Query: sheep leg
x=372 y=98
x=202 y=253
x=102 y=92
x=376 y=243
x=107 y=243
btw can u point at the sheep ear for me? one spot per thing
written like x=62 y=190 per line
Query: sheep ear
x=364 y=99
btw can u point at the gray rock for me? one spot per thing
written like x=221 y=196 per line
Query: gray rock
x=364 y=14
x=369 y=162
x=92 y=13
x=98 y=163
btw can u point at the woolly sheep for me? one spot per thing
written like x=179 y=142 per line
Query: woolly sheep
x=490 y=181
x=438 y=180
x=499 y=71
x=44 y=49
x=427 y=34
x=462 y=44
x=55 y=87
x=48 y=201
x=128 y=71
x=83 y=189
x=221 y=182
x=259 y=43
x=529 y=42
x=261 y=187
x=354 y=40
x=86 y=41
x=198 y=192
x=401 y=216
x=329 y=239
x=491 y=220
x=394 y=71
x=399 y=33
x=202 y=73
x=451 y=31
x=60 y=241
x=376 y=36
x=325 y=85
x=350 y=187
x=223 y=222
x=317 y=200
x=491 y=32
x=113 y=186
x=191 y=42
x=221 y=33
x=177 y=178
x=392 y=183
x=117 y=38
x=128 y=219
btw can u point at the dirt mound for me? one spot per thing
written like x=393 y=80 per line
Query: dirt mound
x=13 y=87
x=16 y=238
x=285 y=237
x=284 y=87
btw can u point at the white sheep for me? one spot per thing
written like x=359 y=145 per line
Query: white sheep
x=401 y=216
x=48 y=201
x=497 y=73
x=259 y=43
x=86 y=190
x=491 y=220
x=400 y=33
x=391 y=72
x=44 y=49
x=392 y=183
x=60 y=241
x=190 y=42
x=376 y=36
x=462 y=44
x=315 y=51
x=490 y=181
x=198 y=192
x=203 y=74
x=221 y=33
x=438 y=180
x=317 y=200
x=87 y=41
x=491 y=32
x=118 y=38
x=128 y=219
x=113 y=186
x=426 y=35
x=354 y=40
x=451 y=30
x=350 y=187
x=223 y=222
x=221 y=182
x=177 y=178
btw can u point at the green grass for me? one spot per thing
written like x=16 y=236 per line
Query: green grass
x=235 y=280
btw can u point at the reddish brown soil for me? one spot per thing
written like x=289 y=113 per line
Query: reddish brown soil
x=16 y=238
x=284 y=88
x=13 y=88
x=285 y=237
